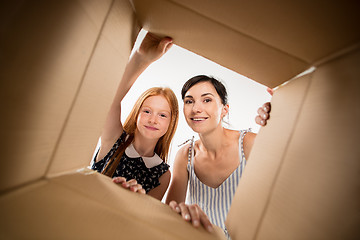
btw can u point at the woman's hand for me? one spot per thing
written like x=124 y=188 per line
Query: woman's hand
x=132 y=184
x=264 y=111
x=153 y=47
x=192 y=213
x=263 y=114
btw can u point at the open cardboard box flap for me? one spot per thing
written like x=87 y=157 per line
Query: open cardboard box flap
x=88 y=205
x=264 y=41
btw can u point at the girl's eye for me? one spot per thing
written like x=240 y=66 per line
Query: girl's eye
x=163 y=115
x=146 y=111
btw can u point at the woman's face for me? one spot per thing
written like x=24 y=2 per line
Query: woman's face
x=203 y=109
x=154 y=117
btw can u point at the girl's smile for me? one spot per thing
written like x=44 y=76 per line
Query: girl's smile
x=152 y=128
x=154 y=117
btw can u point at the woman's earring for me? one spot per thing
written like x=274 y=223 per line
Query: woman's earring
x=226 y=120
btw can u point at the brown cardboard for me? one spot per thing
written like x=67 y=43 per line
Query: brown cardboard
x=313 y=192
x=46 y=49
x=308 y=30
x=90 y=206
x=265 y=41
x=266 y=158
x=326 y=192
x=61 y=60
x=218 y=42
x=107 y=63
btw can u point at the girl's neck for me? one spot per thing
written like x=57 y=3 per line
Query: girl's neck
x=143 y=146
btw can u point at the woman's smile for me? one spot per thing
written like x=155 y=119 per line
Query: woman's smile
x=198 y=119
x=203 y=109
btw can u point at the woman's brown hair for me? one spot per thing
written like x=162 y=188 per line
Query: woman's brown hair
x=163 y=145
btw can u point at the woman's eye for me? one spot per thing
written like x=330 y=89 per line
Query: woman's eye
x=188 y=101
x=207 y=100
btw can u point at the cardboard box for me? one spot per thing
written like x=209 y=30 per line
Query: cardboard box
x=60 y=62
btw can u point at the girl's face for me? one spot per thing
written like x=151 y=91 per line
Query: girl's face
x=154 y=117
x=203 y=109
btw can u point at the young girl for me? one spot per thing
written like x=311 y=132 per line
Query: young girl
x=135 y=153
x=213 y=164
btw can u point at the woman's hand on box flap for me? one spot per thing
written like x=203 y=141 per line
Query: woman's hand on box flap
x=192 y=213
x=264 y=111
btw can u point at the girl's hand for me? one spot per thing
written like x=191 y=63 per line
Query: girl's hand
x=153 y=47
x=264 y=111
x=192 y=213
x=132 y=184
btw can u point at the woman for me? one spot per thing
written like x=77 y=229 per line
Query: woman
x=213 y=164
x=135 y=153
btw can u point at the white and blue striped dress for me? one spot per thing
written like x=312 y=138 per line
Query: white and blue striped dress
x=215 y=202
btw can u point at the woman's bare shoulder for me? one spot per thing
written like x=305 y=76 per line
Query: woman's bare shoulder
x=232 y=135
x=183 y=152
